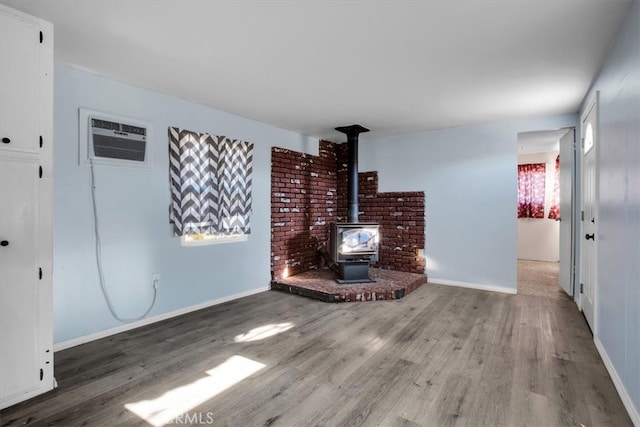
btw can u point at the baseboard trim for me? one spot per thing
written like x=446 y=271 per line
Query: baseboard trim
x=617 y=382
x=480 y=286
x=133 y=325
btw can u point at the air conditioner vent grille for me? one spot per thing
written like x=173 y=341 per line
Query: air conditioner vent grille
x=112 y=147
x=104 y=124
x=134 y=129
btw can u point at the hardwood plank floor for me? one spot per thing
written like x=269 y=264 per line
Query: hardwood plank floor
x=442 y=356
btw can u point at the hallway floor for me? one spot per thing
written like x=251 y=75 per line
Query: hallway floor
x=539 y=278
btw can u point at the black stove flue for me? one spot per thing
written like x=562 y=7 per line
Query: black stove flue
x=352 y=133
x=352 y=244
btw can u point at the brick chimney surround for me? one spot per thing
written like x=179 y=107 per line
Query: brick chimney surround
x=309 y=192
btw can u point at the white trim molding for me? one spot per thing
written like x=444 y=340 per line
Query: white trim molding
x=617 y=382
x=143 y=322
x=480 y=286
x=188 y=241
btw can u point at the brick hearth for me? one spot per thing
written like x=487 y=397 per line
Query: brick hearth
x=321 y=285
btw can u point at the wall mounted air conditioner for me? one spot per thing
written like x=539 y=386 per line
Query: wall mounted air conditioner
x=109 y=139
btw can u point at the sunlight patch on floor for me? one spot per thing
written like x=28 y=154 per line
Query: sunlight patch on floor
x=375 y=343
x=263 y=332
x=162 y=410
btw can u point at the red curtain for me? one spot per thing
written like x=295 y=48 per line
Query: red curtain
x=554 y=212
x=531 y=179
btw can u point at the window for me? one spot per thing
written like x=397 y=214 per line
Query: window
x=531 y=181
x=588 y=138
x=210 y=179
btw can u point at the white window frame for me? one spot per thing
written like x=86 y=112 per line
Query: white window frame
x=188 y=241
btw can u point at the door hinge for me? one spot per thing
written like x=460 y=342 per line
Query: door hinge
x=41 y=37
x=581 y=288
x=581 y=215
x=40 y=141
x=40 y=171
x=40 y=273
x=582 y=143
x=41 y=374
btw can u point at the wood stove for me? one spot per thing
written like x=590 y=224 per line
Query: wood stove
x=352 y=245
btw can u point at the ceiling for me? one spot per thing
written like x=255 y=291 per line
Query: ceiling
x=394 y=66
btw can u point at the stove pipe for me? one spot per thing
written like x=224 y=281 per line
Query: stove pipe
x=352 y=133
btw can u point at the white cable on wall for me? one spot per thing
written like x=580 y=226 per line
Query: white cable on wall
x=99 y=258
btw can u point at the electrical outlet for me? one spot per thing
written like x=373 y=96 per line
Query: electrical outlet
x=155 y=280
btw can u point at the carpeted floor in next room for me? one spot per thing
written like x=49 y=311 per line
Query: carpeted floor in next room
x=539 y=278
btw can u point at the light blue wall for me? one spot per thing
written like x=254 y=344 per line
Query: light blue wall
x=618 y=288
x=469 y=176
x=133 y=211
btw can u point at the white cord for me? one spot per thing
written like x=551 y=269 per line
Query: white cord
x=99 y=258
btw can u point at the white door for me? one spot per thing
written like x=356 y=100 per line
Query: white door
x=26 y=142
x=19 y=277
x=588 y=278
x=567 y=147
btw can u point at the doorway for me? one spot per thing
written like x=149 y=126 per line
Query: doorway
x=546 y=212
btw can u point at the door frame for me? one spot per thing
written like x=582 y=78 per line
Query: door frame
x=574 y=216
x=592 y=105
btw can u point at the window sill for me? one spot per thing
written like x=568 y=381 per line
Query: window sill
x=186 y=241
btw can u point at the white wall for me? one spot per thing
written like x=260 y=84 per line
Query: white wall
x=469 y=176
x=539 y=238
x=133 y=211
x=618 y=219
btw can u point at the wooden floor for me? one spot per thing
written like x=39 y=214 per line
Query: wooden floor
x=442 y=356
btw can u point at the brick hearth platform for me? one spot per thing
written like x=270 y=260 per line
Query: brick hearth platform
x=321 y=285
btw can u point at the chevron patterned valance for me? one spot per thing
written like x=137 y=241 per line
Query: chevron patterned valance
x=210 y=178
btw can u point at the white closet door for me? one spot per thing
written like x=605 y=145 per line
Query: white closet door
x=19 y=277
x=26 y=102
x=19 y=83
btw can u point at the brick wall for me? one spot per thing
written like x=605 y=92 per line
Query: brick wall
x=308 y=192
x=401 y=216
x=401 y=219
x=303 y=203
